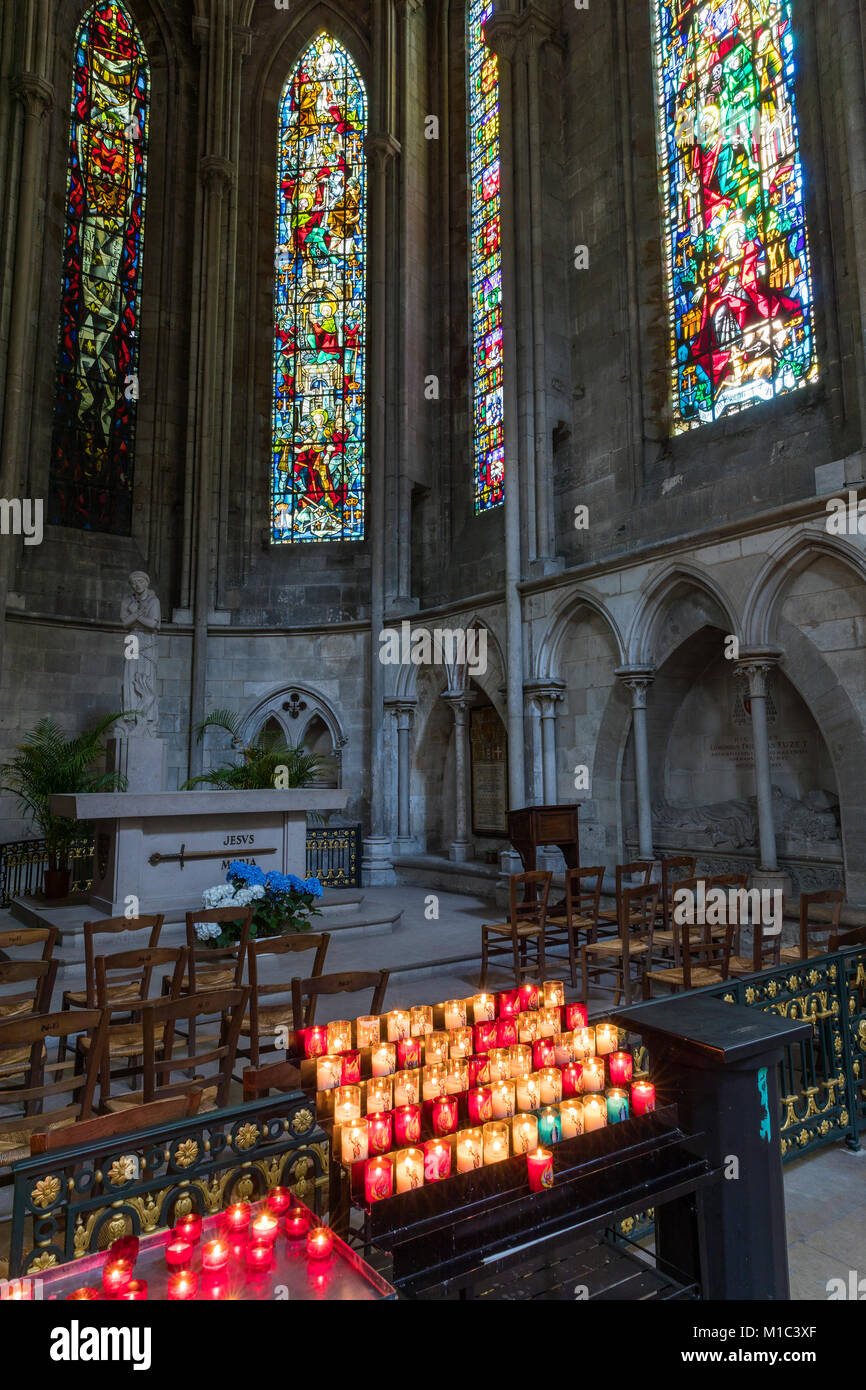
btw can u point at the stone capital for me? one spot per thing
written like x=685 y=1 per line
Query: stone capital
x=755 y=667
x=502 y=34
x=403 y=711
x=35 y=93
x=460 y=702
x=638 y=680
x=380 y=149
x=216 y=172
x=546 y=695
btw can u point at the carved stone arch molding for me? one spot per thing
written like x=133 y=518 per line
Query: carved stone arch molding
x=295 y=708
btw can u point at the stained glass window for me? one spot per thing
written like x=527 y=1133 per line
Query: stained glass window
x=486 y=262
x=97 y=366
x=317 y=479
x=737 y=250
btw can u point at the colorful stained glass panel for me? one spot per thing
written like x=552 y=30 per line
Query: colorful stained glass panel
x=97 y=368
x=317 y=481
x=485 y=262
x=739 y=277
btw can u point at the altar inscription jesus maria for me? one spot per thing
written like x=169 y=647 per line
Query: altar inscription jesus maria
x=318 y=482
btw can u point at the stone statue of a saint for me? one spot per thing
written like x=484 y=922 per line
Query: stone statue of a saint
x=140 y=616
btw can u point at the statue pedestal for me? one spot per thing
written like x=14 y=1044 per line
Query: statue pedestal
x=141 y=760
x=164 y=848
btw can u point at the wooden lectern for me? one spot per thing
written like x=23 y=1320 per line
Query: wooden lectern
x=545 y=825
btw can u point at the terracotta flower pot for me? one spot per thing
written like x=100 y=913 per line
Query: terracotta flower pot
x=57 y=883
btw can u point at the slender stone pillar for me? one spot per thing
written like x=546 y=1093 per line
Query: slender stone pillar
x=501 y=35
x=403 y=711
x=460 y=847
x=755 y=667
x=544 y=698
x=638 y=681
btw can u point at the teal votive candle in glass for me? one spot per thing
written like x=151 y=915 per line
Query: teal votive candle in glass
x=549 y=1126
x=617 y=1106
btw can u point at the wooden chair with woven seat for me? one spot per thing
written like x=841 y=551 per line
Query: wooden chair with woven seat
x=110 y=926
x=217 y=967
x=306 y=993
x=611 y=917
x=704 y=959
x=269 y=1019
x=674 y=870
x=582 y=896
x=124 y=1041
x=527 y=923
x=666 y=940
x=16 y=937
x=766 y=948
x=159 y=1112
x=163 y=1055
x=728 y=883
x=809 y=948
x=37 y=999
x=24 y=1051
x=615 y=955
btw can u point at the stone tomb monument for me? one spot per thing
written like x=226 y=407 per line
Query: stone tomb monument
x=165 y=848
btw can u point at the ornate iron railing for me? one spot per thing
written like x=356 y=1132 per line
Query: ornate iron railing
x=75 y=1202
x=333 y=856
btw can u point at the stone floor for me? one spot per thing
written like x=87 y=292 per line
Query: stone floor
x=437 y=959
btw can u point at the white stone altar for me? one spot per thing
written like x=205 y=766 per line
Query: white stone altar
x=165 y=848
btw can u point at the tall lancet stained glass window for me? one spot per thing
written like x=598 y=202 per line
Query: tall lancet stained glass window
x=486 y=263
x=317 y=471
x=739 y=278
x=97 y=366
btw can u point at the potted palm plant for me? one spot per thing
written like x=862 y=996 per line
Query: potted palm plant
x=46 y=764
x=265 y=762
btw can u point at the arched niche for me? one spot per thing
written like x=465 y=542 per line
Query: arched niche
x=303 y=717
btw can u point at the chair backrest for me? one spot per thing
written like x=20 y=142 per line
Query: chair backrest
x=114 y=926
x=699 y=948
x=32 y=1034
x=641 y=904
x=30 y=936
x=229 y=956
x=637 y=868
x=161 y=1056
x=284 y=945
x=42 y=973
x=836 y=896
x=305 y=993
x=276 y=1076
x=674 y=870
x=532 y=907
x=159 y=1112
x=141 y=963
x=583 y=892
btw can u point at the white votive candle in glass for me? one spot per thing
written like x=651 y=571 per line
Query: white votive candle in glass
x=469 y=1148
x=384 y=1059
x=524 y=1134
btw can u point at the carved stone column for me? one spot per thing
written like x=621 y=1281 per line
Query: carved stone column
x=756 y=666
x=460 y=847
x=546 y=697
x=403 y=712
x=638 y=679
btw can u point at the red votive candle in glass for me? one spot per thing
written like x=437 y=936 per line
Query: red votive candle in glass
x=183 y=1286
x=543 y=1053
x=528 y=997
x=379 y=1132
x=316 y=1040
x=350 y=1069
x=235 y=1219
x=509 y=1003
x=264 y=1228
x=643 y=1097
x=571 y=1075
x=481 y=1105
x=320 y=1243
x=16 y=1291
x=179 y=1253
x=259 y=1256
x=539 y=1166
x=445 y=1115
x=485 y=1036
x=621 y=1067
x=115 y=1277
x=506 y=1032
x=87 y=1294
x=188 y=1228
x=575 y=1016
x=214 y=1287
x=135 y=1291
x=378 y=1179
x=214 y=1255
x=278 y=1200
x=437 y=1160
x=479 y=1069
x=407 y=1125
x=297 y=1223
x=408 y=1053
